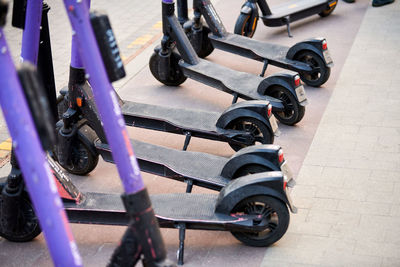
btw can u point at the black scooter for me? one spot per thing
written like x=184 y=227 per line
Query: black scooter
x=282 y=14
x=310 y=58
x=254 y=207
x=166 y=67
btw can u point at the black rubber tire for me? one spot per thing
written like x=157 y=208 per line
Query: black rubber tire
x=294 y=112
x=28 y=224
x=317 y=78
x=206 y=46
x=262 y=133
x=83 y=159
x=176 y=76
x=250 y=169
x=274 y=211
x=327 y=12
x=244 y=27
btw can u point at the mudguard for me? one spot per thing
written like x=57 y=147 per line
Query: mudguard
x=265 y=155
x=249 y=8
x=312 y=44
x=265 y=183
x=284 y=79
x=257 y=109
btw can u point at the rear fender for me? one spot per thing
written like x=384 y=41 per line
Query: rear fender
x=284 y=79
x=265 y=183
x=314 y=45
x=265 y=155
x=257 y=109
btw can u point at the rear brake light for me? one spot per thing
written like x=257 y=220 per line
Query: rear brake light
x=269 y=112
x=324 y=45
x=280 y=156
x=297 y=80
x=285 y=182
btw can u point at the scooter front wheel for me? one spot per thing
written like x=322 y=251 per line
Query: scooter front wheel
x=175 y=77
x=260 y=133
x=320 y=73
x=293 y=112
x=27 y=227
x=270 y=212
x=244 y=26
x=83 y=160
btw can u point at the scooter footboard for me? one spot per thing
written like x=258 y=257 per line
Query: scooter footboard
x=264 y=156
x=265 y=183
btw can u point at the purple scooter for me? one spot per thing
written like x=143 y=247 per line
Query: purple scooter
x=142 y=236
x=27 y=148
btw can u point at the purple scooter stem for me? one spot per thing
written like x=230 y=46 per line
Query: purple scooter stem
x=32 y=161
x=114 y=124
x=76 y=61
x=30 y=39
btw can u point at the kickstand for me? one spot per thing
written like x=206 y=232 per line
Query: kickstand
x=287 y=21
x=189 y=186
x=181 y=250
x=264 y=68
x=187 y=140
x=235 y=98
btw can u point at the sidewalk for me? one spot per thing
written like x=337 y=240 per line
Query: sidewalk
x=348 y=188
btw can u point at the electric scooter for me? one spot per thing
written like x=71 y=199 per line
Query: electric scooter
x=310 y=58
x=243 y=124
x=168 y=68
x=18 y=221
x=254 y=208
x=282 y=14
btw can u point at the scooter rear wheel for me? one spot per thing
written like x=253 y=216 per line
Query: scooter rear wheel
x=28 y=224
x=176 y=76
x=321 y=73
x=294 y=112
x=262 y=135
x=244 y=26
x=327 y=12
x=274 y=214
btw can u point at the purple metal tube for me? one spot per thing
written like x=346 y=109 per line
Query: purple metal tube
x=76 y=61
x=31 y=35
x=32 y=161
x=105 y=97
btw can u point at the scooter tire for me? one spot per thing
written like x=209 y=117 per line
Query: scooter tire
x=273 y=210
x=206 y=46
x=176 y=76
x=244 y=27
x=294 y=112
x=316 y=62
x=28 y=227
x=262 y=134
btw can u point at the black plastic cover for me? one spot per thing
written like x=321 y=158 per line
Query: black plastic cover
x=108 y=46
x=38 y=104
x=3 y=12
x=19 y=13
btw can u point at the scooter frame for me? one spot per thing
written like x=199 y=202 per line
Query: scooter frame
x=168 y=68
x=249 y=14
x=310 y=58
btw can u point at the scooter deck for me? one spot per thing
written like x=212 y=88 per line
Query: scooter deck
x=107 y=209
x=202 y=168
x=254 y=49
x=225 y=79
x=292 y=7
x=166 y=118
